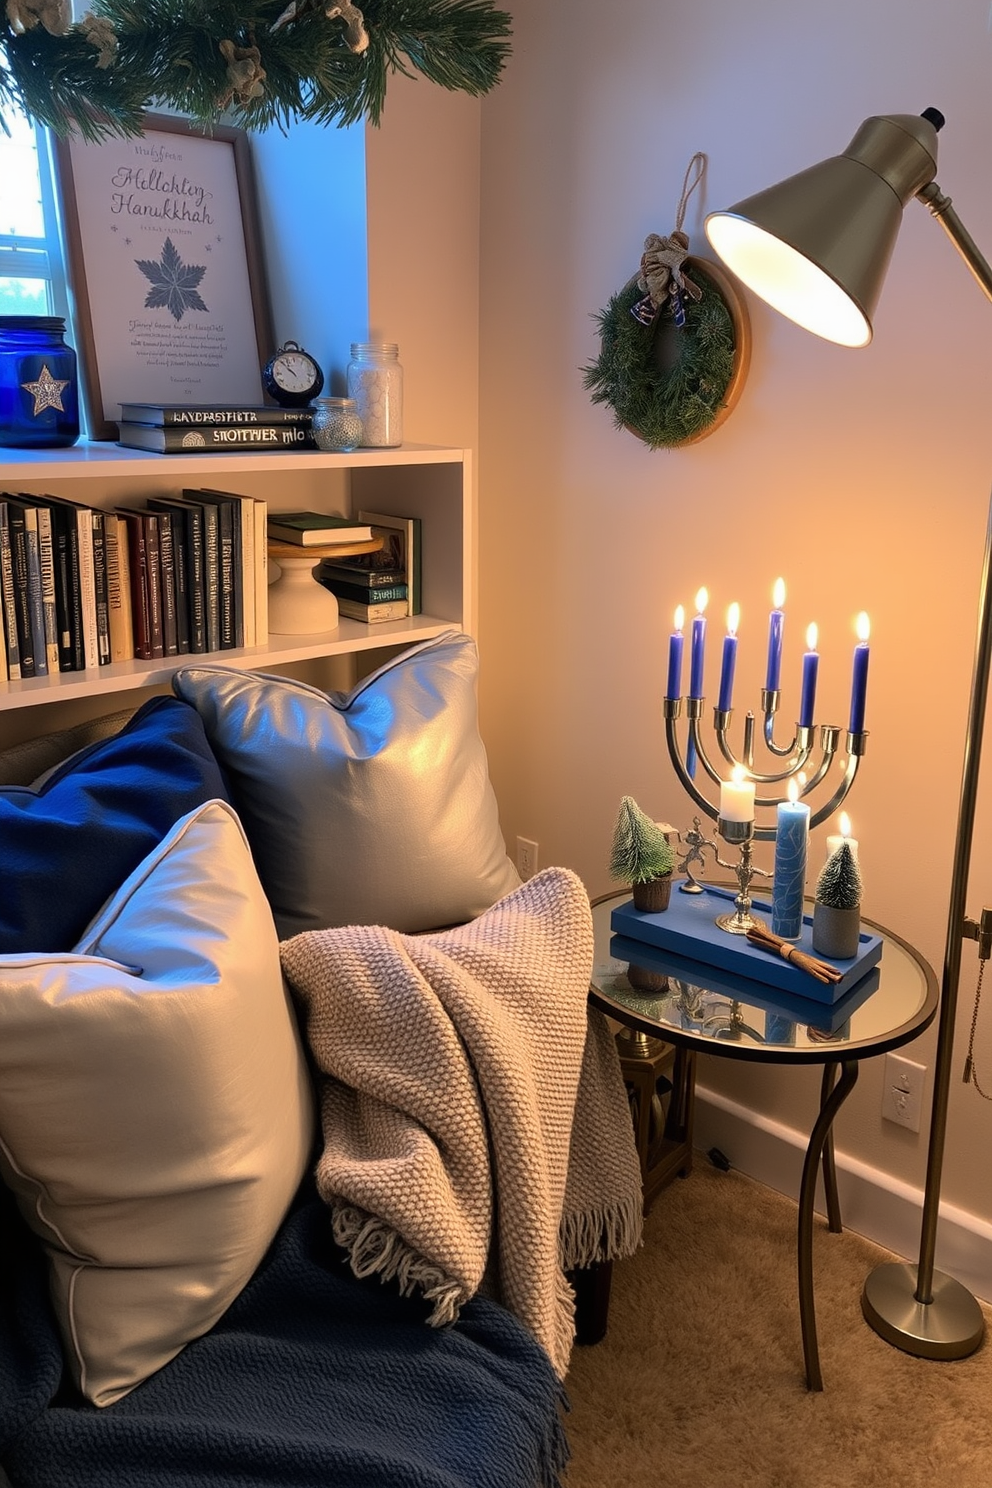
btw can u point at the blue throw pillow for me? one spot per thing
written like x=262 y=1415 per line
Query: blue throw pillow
x=68 y=845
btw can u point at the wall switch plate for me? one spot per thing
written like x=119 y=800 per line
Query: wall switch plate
x=526 y=857
x=902 y=1091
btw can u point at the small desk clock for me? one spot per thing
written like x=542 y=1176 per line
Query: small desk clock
x=292 y=376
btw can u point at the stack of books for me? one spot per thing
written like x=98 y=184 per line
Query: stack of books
x=379 y=586
x=169 y=429
x=82 y=587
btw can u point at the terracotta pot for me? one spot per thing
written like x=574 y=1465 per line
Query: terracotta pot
x=836 y=931
x=653 y=897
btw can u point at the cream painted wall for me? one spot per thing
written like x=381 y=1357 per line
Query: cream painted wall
x=862 y=477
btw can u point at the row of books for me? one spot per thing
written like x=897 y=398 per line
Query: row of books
x=168 y=429
x=82 y=587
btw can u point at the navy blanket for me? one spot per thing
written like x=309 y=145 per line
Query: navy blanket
x=312 y=1379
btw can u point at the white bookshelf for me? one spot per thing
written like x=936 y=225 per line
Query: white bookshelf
x=424 y=481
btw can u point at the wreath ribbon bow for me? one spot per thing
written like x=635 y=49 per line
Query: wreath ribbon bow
x=661 y=277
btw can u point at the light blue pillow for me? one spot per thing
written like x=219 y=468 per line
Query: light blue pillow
x=68 y=844
x=369 y=807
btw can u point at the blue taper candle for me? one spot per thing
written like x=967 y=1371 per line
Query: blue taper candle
x=859 y=679
x=675 y=642
x=776 y=622
x=696 y=670
x=729 y=661
x=791 y=843
x=811 y=665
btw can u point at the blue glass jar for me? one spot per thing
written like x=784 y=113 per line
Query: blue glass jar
x=39 y=404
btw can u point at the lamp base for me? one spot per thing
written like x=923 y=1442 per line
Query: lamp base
x=950 y=1327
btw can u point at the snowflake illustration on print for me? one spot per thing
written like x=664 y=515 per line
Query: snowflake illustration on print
x=174 y=284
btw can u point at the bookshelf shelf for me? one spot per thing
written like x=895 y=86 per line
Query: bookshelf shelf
x=430 y=482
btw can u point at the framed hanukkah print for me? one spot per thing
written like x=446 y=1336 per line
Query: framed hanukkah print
x=165 y=268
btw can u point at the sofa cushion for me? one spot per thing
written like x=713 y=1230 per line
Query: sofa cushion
x=367 y=807
x=156 y=1114
x=93 y=819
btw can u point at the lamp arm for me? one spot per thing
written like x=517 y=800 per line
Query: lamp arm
x=941 y=208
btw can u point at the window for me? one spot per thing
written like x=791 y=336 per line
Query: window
x=32 y=278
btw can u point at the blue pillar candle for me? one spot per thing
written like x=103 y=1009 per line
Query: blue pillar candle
x=811 y=665
x=675 y=642
x=791 y=843
x=859 y=679
x=776 y=622
x=729 y=662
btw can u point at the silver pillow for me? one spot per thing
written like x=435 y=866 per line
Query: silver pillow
x=372 y=807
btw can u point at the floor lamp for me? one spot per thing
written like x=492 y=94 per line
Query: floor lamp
x=816 y=247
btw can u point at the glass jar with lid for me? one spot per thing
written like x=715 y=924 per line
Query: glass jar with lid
x=375 y=381
x=336 y=424
x=39 y=407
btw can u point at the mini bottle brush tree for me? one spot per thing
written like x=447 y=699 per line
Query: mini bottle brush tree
x=837 y=906
x=642 y=856
x=253 y=63
x=839 y=883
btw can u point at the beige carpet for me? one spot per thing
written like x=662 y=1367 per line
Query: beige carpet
x=699 y=1382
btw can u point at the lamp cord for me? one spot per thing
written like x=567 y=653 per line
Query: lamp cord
x=970 y=1077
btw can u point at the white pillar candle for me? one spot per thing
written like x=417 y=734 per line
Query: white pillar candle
x=836 y=839
x=737 y=797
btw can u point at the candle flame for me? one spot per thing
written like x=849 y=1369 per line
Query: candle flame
x=702 y=600
x=844 y=821
x=863 y=626
x=792 y=789
x=738 y=774
x=812 y=636
x=733 y=618
x=679 y=617
x=778 y=593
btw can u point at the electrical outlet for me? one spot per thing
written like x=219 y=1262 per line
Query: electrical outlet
x=902 y=1091
x=526 y=857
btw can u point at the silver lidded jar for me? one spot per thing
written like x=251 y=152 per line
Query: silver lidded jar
x=375 y=381
x=336 y=426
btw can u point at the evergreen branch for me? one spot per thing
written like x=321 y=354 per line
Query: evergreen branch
x=169 y=55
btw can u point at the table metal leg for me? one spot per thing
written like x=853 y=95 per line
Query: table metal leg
x=807 y=1194
x=829 y=1170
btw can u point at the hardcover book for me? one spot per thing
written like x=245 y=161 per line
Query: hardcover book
x=353 y=609
x=180 y=415
x=402 y=543
x=313 y=529
x=218 y=437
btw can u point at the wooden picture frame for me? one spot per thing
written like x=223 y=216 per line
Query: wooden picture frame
x=165 y=269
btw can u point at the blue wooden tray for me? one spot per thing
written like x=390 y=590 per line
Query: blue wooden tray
x=828 y=1018
x=688 y=928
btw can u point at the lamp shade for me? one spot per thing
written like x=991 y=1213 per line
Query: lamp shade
x=817 y=245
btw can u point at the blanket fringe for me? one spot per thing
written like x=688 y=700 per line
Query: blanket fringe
x=375 y=1249
x=601 y=1234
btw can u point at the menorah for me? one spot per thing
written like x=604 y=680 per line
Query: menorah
x=803 y=764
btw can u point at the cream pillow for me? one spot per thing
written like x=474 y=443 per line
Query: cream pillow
x=156 y=1115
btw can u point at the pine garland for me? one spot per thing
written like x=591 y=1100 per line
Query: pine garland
x=839 y=883
x=664 y=408
x=256 y=62
x=640 y=851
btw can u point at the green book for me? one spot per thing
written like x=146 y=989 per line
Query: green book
x=310 y=529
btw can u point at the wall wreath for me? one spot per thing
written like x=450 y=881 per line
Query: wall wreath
x=675 y=342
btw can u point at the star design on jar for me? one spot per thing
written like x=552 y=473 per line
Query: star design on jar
x=46 y=392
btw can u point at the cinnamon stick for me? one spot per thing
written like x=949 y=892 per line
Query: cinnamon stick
x=767 y=940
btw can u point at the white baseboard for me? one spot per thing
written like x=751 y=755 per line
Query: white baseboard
x=873 y=1203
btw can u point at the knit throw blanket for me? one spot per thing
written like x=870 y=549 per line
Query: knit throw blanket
x=473 y=1111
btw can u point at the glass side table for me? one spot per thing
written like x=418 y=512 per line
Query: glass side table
x=892 y=1006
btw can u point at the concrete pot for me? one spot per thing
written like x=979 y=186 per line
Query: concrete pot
x=836 y=931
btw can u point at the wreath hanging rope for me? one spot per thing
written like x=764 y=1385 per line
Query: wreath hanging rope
x=674 y=342
x=258 y=62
